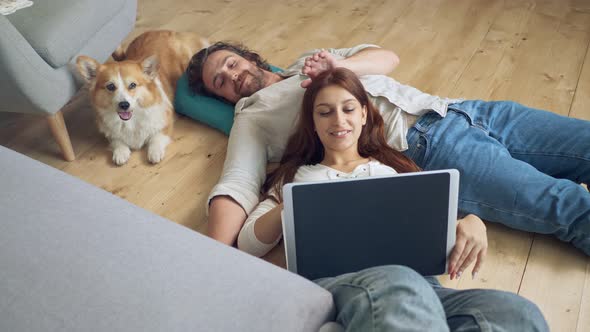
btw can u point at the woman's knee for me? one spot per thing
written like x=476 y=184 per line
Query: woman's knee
x=401 y=295
x=397 y=272
x=384 y=285
x=386 y=298
x=397 y=281
x=393 y=275
x=382 y=280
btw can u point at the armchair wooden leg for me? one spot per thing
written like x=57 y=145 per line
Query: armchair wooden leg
x=60 y=133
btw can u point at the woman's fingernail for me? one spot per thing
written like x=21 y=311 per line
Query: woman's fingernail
x=459 y=275
x=474 y=275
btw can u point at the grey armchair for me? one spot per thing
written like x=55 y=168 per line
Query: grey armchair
x=38 y=45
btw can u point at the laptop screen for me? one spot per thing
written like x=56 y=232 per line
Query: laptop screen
x=347 y=226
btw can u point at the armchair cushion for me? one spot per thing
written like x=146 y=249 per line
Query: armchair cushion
x=58 y=29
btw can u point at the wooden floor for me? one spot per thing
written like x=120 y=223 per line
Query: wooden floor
x=533 y=52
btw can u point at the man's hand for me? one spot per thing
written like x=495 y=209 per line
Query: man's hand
x=471 y=245
x=317 y=64
x=368 y=61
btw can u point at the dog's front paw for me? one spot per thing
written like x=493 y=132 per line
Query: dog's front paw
x=156 y=153
x=157 y=148
x=121 y=155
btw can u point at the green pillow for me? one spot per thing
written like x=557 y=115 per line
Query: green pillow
x=208 y=110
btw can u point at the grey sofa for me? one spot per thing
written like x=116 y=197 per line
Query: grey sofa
x=38 y=45
x=82 y=259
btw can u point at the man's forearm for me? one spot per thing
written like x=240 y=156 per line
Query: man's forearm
x=371 y=61
x=226 y=218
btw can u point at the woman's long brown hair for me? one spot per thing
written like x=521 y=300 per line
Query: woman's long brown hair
x=305 y=148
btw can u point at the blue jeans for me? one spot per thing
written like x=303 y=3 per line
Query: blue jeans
x=396 y=298
x=519 y=166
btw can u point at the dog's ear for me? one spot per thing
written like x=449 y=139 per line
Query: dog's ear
x=150 y=66
x=87 y=67
x=119 y=54
x=204 y=43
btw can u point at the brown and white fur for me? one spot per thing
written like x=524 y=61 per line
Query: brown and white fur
x=133 y=96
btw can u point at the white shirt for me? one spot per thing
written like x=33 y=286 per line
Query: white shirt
x=247 y=240
x=264 y=121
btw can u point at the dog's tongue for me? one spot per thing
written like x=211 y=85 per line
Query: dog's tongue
x=125 y=115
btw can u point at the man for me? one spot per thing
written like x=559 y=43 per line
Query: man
x=519 y=166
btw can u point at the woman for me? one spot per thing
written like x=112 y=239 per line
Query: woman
x=341 y=135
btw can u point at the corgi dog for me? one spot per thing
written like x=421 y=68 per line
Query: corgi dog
x=133 y=96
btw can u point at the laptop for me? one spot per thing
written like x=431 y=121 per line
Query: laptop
x=336 y=227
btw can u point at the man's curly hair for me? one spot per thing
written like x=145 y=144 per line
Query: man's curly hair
x=194 y=70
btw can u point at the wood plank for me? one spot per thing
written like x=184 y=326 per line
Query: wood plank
x=203 y=17
x=533 y=57
x=246 y=23
x=584 y=318
x=490 y=66
x=502 y=55
x=29 y=133
x=504 y=61
x=581 y=105
x=149 y=185
x=434 y=46
x=378 y=20
x=257 y=27
x=508 y=249
x=554 y=280
x=320 y=25
x=186 y=203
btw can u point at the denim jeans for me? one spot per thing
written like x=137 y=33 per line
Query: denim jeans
x=396 y=298
x=519 y=166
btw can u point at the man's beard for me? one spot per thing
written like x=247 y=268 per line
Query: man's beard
x=257 y=83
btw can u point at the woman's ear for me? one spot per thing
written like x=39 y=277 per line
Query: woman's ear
x=364 y=119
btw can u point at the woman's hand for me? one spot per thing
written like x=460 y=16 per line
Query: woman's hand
x=317 y=64
x=471 y=244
